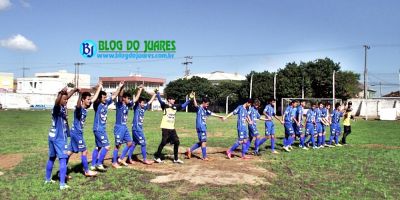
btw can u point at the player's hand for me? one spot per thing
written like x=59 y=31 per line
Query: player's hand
x=121 y=83
x=155 y=91
x=251 y=122
x=224 y=118
x=141 y=86
x=192 y=95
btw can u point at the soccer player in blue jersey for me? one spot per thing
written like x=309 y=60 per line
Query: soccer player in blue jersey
x=310 y=125
x=320 y=122
x=335 y=125
x=201 y=126
x=269 y=113
x=168 y=127
x=289 y=118
x=137 y=127
x=242 y=121
x=57 y=138
x=298 y=128
x=77 y=143
x=253 y=131
x=100 y=107
x=325 y=117
x=121 y=132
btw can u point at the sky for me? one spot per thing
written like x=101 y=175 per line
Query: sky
x=225 y=35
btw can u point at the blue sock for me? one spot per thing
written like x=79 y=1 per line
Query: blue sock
x=63 y=170
x=272 y=144
x=103 y=153
x=330 y=139
x=94 y=156
x=49 y=168
x=235 y=145
x=130 y=152
x=204 y=151
x=247 y=147
x=292 y=140
x=144 y=153
x=319 y=140
x=244 y=146
x=124 y=152
x=313 y=141
x=337 y=139
x=302 y=140
x=284 y=142
x=85 y=163
x=194 y=147
x=115 y=156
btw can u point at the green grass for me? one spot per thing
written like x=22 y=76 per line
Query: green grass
x=360 y=170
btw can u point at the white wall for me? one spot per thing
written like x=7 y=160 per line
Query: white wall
x=373 y=108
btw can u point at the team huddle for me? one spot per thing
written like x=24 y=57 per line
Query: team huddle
x=314 y=125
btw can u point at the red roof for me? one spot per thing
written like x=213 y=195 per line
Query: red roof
x=132 y=79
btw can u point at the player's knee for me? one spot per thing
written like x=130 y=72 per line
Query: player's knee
x=84 y=153
x=107 y=148
x=52 y=158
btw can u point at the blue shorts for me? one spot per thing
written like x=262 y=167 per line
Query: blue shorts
x=335 y=129
x=202 y=135
x=121 y=135
x=319 y=127
x=243 y=134
x=298 y=130
x=101 y=138
x=58 y=148
x=288 y=128
x=310 y=129
x=253 y=130
x=77 y=143
x=269 y=128
x=138 y=137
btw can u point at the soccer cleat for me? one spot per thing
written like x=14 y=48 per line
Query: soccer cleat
x=256 y=153
x=275 y=152
x=64 y=187
x=228 y=153
x=315 y=147
x=290 y=147
x=205 y=159
x=130 y=162
x=116 y=166
x=188 y=153
x=322 y=146
x=49 y=182
x=158 y=160
x=339 y=145
x=178 y=161
x=246 y=157
x=148 y=162
x=101 y=168
x=90 y=173
x=122 y=162
x=305 y=148
x=93 y=168
x=286 y=149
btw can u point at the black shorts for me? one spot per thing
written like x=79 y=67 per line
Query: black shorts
x=169 y=135
x=347 y=129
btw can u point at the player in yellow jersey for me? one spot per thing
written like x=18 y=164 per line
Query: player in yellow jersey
x=346 y=122
x=168 y=127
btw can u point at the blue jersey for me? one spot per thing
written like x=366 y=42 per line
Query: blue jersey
x=79 y=119
x=299 y=113
x=59 y=126
x=269 y=110
x=318 y=115
x=122 y=112
x=242 y=113
x=289 y=113
x=138 y=117
x=201 y=118
x=310 y=116
x=336 y=116
x=254 y=114
x=100 y=117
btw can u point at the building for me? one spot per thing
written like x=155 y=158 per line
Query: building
x=133 y=81
x=370 y=92
x=50 y=82
x=218 y=76
x=6 y=82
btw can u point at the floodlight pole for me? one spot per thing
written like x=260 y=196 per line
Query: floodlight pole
x=366 y=47
x=333 y=87
x=251 y=85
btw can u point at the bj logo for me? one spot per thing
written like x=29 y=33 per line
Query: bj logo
x=88 y=49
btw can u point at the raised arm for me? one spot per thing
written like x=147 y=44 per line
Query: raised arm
x=117 y=91
x=138 y=93
x=162 y=103
x=59 y=95
x=79 y=102
x=70 y=93
x=99 y=87
x=152 y=99
x=194 y=99
x=183 y=106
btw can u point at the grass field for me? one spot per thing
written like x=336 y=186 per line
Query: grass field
x=368 y=168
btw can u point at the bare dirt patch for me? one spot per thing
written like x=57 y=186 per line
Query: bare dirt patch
x=9 y=161
x=379 y=146
x=218 y=171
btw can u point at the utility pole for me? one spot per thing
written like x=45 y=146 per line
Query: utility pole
x=251 y=85
x=302 y=87
x=333 y=87
x=366 y=47
x=23 y=71
x=275 y=74
x=187 y=63
x=77 y=64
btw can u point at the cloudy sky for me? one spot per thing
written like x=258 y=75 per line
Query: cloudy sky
x=232 y=36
